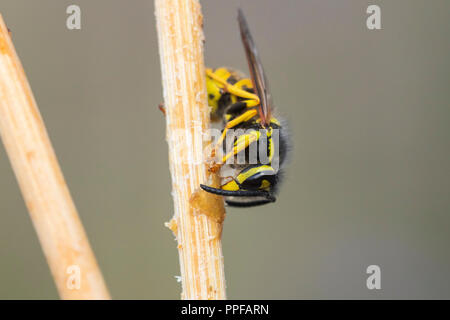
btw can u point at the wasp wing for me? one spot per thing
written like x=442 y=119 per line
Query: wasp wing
x=256 y=70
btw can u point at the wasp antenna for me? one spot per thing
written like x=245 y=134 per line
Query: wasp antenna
x=239 y=193
x=249 y=204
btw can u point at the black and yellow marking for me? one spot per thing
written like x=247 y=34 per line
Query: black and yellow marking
x=244 y=103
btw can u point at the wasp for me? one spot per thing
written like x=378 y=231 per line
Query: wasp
x=245 y=103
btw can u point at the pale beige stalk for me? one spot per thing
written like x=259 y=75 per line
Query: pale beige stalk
x=197 y=222
x=45 y=192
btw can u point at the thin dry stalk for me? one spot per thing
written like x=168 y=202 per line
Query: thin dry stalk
x=47 y=197
x=198 y=218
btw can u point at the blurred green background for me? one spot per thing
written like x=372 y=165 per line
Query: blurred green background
x=368 y=181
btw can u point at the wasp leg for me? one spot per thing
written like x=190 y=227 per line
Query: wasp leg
x=233 y=89
x=240 y=106
x=241 y=144
x=231 y=185
x=242 y=118
x=236 y=121
x=162 y=108
x=244 y=84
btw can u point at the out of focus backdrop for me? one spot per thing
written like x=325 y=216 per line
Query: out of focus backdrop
x=368 y=181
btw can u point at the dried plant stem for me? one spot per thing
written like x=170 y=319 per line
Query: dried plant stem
x=47 y=197
x=197 y=222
